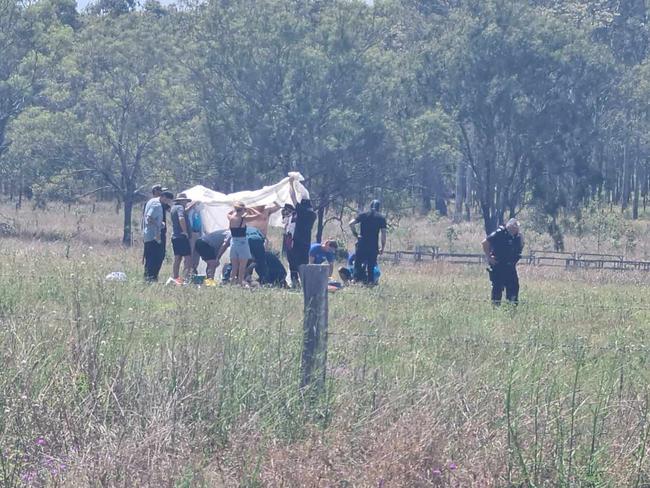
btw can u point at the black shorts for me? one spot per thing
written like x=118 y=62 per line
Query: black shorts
x=205 y=250
x=181 y=246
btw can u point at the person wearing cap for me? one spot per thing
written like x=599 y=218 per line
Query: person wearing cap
x=156 y=191
x=299 y=218
x=503 y=250
x=181 y=239
x=372 y=224
x=152 y=226
x=324 y=253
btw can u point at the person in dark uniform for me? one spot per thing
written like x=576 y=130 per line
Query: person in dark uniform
x=503 y=250
x=372 y=223
x=300 y=218
x=256 y=244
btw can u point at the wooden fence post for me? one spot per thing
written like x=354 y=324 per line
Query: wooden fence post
x=314 y=279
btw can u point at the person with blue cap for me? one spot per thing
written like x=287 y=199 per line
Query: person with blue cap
x=372 y=224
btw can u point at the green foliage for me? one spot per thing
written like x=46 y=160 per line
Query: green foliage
x=498 y=105
x=452 y=237
x=599 y=220
x=128 y=383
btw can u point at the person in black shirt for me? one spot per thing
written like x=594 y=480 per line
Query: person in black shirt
x=297 y=239
x=503 y=250
x=372 y=223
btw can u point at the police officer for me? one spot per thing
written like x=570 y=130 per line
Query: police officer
x=372 y=224
x=503 y=250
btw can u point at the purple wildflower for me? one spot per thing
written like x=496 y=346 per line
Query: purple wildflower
x=40 y=441
x=453 y=466
x=28 y=476
x=436 y=472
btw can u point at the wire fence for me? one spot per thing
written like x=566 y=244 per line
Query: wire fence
x=566 y=260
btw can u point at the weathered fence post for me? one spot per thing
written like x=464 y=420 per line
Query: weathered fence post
x=314 y=279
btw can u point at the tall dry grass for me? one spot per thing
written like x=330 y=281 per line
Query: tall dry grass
x=123 y=384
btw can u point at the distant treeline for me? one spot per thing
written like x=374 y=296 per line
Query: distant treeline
x=495 y=105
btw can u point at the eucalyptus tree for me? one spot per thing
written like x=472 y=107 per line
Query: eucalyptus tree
x=285 y=87
x=518 y=82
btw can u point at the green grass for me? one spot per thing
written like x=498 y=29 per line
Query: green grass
x=135 y=385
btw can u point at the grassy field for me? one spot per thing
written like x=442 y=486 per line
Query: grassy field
x=123 y=384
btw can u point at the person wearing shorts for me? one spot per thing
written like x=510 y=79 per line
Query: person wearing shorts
x=211 y=248
x=181 y=239
x=240 y=251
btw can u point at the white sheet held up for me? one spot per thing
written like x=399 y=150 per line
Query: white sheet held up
x=214 y=206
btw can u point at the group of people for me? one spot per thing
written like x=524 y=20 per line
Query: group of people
x=246 y=238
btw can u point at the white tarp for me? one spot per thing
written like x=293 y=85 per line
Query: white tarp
x=214 y=206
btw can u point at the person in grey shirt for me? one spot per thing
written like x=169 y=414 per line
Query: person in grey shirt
x=211 y=247
x=152 y=225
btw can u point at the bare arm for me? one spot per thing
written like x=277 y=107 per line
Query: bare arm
x=487 y=249
x=251 y=214
x=353 y=227
x=183 y=223
x=222 y=250
x=292 y=193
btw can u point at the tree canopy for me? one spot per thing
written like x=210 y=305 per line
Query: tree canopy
x=492 y=104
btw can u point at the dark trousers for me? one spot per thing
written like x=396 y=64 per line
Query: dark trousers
x=504 y=276
x=163 y=245
x=365 y=261
x=153 y=259
x=258 y=252
x=297 y=256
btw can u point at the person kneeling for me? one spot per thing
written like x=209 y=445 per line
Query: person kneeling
x=324 y=253
x=211 y=247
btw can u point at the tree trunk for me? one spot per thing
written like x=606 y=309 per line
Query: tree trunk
x=127 y=237
x=469 y=191
x=490 y=218
x=426 y=185
x=320 y=223
x=426 y=201
x=461 y=184
x=441 y=205
x=625 y=184
x=637 y=187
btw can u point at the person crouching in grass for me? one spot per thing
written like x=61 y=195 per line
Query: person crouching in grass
x=324 y=253
x=181 y=239
x=211 y=247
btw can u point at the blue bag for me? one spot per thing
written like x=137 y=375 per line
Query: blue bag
x=196 y=221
